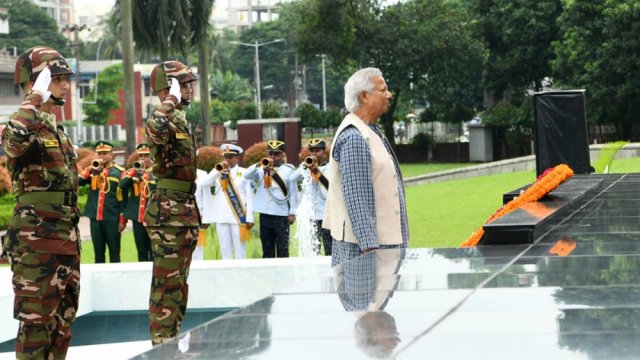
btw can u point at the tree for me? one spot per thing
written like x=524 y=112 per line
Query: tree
x=609 y=70
x=310 y=117
x=30 y=26
x=222 y=50
x=109 y=46
x=230 y=86
x=427 y=44
x=518 y=35
x=277 y=60
x=271 y=110
x=98 y=110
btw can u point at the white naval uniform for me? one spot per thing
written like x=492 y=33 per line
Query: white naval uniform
x=203 y=199
x=271 y=200
x=219 y=211
x=318 y=191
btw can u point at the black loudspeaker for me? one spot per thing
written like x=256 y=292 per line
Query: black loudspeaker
x=561 y=131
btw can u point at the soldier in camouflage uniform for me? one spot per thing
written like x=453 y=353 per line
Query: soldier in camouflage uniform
x=172 y=218
x=42 y=236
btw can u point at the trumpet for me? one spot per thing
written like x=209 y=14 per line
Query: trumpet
x=311 y=161
x=222 y=166
x=266 y=162
x=96 y=164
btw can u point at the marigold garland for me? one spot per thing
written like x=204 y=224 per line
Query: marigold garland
x=545 y=183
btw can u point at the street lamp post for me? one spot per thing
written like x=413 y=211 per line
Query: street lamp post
x=76 y=45
x=256 y=45
x=324 y=87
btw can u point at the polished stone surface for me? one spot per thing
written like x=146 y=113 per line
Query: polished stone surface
x=572 y=294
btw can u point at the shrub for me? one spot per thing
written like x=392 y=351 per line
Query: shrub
x=5 y=180
x=5 y=176
x=254 y=154
x=208 y=157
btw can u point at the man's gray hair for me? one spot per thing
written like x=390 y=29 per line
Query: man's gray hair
x=361 y=80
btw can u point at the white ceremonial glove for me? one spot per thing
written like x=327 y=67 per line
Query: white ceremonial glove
x=42 y=84
x=175 y=89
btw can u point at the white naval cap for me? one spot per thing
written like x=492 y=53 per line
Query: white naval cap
x=230 y=149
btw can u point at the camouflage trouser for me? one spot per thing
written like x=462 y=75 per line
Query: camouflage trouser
x=171 y=247
x=46 y=288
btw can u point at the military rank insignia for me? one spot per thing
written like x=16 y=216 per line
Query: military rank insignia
x=182 y=136
x=51 y=143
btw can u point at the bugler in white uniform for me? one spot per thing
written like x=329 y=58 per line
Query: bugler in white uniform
x=221 y=212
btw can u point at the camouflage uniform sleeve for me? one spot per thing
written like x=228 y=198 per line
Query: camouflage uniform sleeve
x=158 y=123
x=25 y=122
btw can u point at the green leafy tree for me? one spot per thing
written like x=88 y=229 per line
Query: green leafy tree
x=222 y=50
x=277 y=60
x=310 y=116
x=271 y=110
x=221 y=112
x=230 y=86
x=193 y=113
x=608 y=70
x=428 y=44
x=98 y=110
x=30 y=26
x=332 y=117
x=518 y=35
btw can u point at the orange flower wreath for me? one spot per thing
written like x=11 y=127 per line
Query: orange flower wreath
x=545 y=183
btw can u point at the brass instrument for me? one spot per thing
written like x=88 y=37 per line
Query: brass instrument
x=97 y=164
x=222 y=166
x=266 y=162
x=311 y=161
x=139 y=165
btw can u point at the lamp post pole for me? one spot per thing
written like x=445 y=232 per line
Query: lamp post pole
x=256 y=45
x=258 y=95
x=76 y=49
x=324 y=87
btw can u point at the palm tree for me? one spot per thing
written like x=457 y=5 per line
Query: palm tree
x=230 y=86
x=173 y=28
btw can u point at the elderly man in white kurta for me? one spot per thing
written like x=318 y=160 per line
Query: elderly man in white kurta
x=232 y=209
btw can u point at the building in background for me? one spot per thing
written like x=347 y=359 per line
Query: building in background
x=59 y=10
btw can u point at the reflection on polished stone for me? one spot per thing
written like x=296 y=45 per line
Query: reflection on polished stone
x=574 y=293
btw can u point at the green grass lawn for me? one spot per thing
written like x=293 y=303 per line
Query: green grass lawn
x=409 y=170
x=621 y=166
x=444 y=214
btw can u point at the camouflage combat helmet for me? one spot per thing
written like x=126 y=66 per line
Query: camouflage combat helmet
x=34 y=60
x=167 y=70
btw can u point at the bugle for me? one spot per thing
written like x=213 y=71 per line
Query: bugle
x=266 y=162
x=222 y=166
x=311 y=161
x=96 y=164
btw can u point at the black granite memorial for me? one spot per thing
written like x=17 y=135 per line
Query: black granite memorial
x=524 y=301
x=561 y=131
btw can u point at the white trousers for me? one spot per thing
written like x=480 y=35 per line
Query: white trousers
x=229 y=239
